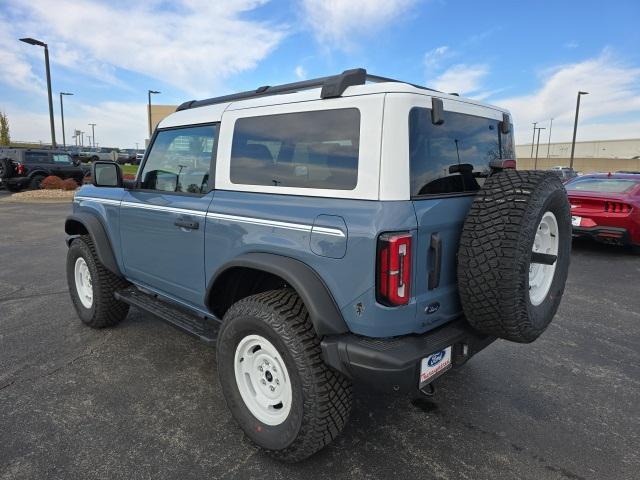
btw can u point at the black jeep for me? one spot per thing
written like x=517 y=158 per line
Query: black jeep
x=21 y=168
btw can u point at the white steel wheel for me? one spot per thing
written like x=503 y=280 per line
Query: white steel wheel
x=84 y=286
x=263 y=380
x=546 y=241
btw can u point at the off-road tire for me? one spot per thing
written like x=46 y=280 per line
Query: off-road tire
x=36 y=181
x=105 y=310
x=321 y=401
x=495 y=254
x=6 y=168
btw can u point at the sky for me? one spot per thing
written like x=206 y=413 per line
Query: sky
x=528 y=56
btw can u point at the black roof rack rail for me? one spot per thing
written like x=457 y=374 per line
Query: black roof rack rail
x=332 y=87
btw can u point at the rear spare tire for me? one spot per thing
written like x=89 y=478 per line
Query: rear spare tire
x=514 y=254
x=6 y=168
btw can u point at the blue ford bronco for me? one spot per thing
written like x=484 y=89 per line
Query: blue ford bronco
x=351 y=228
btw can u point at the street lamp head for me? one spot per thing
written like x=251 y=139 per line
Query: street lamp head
x=33 y=41
x=153 y=91
x=65 y=93
x=583 y=93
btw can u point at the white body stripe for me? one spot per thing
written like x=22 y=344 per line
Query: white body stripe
x=161 y=208
x=300 y=227
x=106 y=201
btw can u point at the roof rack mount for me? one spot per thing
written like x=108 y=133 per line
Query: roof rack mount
x=332 y=87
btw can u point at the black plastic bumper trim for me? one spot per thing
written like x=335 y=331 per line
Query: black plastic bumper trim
x=393 y=364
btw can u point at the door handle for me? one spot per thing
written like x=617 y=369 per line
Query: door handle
x=435 y=249
x=188 y=224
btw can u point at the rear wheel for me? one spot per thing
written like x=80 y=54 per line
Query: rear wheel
x=279 y=390
x=514 y=254
x=36 y=181
x=92 y=286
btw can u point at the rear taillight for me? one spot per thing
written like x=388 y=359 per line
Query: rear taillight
x=617 y=207
x=394 y=269
x=20 y=169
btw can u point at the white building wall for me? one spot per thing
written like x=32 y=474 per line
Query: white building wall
x=595 y=149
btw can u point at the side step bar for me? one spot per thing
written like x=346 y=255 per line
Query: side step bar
x=206 y=329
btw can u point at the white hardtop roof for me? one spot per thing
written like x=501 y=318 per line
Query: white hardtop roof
x=213 y=113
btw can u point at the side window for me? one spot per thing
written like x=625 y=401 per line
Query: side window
x=180 y=160
x=453 y=157
x=62 y=159
x=36 y=157
x=306 y=150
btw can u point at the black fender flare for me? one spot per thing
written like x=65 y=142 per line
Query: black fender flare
x=323 y=310
x=98 y=234
x=39 y=173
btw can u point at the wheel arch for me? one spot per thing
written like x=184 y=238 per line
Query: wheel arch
x=39 y=173
x=88 y=224
x=268 y=269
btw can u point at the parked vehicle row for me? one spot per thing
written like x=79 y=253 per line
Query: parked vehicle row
x=26 y=168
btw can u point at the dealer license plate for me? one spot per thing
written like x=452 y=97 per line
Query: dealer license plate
x=434 y=365
x=575 y=221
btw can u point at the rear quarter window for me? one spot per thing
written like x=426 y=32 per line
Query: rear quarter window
x=316 y=149
x=453 y=157
x=37 y=157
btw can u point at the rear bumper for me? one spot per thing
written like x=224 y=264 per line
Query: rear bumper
x=393 y=364
x=614 y=235
x=16 y=181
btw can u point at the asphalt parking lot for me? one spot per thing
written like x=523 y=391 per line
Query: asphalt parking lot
x=142 y=400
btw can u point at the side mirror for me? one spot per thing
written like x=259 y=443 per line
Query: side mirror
x=437 y=111
x=106 y=174
x=505 y=124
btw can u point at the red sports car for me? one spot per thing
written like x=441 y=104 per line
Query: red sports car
x=606 y=207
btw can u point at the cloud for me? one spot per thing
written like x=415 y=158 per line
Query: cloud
x=190 y=44
x=15 y=69
x=571 y=44
x=300 y=72
x=119 y=124
x=461 y=78
x=337 y=21
x=433 y=58
x=614 y=96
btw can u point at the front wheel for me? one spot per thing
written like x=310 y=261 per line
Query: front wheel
x=281 y=393
x=92 y=286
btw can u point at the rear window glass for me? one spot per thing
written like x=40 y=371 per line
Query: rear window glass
x=304 y=150
x=606 y=185
x=453 y=157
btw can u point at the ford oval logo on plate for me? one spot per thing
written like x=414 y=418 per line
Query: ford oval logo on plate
x=435 y=359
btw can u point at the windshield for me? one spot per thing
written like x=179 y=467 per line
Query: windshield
x=605 y=185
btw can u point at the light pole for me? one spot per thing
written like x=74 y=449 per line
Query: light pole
x=549 y=144
x=533 y=140
x=93 y=134
x=535 y=165
x=150 y=92
x=33 y=41
x=575 y=127
x=64 y=140
x=82 y=139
